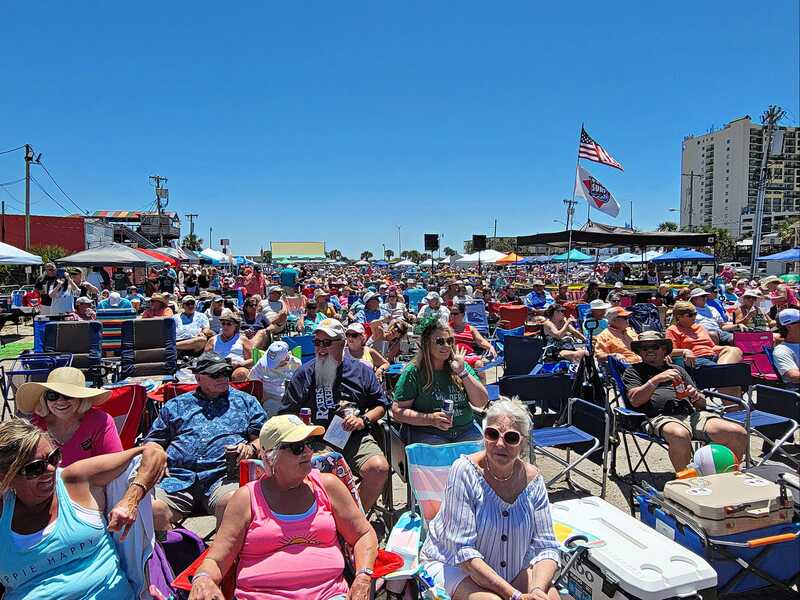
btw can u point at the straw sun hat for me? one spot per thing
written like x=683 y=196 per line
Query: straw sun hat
x=67 y=381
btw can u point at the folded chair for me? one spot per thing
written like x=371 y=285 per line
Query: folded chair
x=82 y=339
x=752 y=345
x=148 y=348
x=33 y=366
x=126 y=406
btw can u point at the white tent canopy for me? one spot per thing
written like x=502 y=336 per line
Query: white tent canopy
x=10 y=255
x=361 y=263
x=486 y=256
x=217 y=256
x=632 y=257
x=404 y=263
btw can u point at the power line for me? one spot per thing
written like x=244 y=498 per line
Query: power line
x=41 y=164
x=12 y=149
x=13 y=182
x=46 y=193
x=16 y=200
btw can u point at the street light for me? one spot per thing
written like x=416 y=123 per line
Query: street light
x=562 y=222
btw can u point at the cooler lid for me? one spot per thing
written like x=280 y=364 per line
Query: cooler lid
x=725 y=495
x=645 y=564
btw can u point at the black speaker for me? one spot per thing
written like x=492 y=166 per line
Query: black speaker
x=478 y=243
x=431 y=241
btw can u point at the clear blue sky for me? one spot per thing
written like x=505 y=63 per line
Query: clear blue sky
x=340 y=121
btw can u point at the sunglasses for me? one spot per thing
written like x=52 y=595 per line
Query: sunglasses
x=448 y=341
x=510 y=438
x=652 y=347
x=296 y=448
x=221 y=322
x=325 y=343
x=51 y=396
x=353 y=334
x=37 y=468
x=221 y=375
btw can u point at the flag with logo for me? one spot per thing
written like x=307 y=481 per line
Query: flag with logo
x=596 y=194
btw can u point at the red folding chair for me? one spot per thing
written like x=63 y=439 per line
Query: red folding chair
x=512 y=316
x=752 y=344
x=169 y=390
x=126 y=407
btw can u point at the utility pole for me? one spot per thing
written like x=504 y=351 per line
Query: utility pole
x=495 y=231
x=570 y=213
x=3 y=225
x=691 y=177
x=769 y=119
x=161 y=192
x=210 y=243
x=29 y=158
x=191 y=217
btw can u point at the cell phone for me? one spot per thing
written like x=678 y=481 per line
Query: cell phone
x=60 y=273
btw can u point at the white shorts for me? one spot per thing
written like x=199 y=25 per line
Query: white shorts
x=445 y=576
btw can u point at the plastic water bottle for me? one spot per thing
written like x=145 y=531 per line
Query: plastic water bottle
x=428 y=588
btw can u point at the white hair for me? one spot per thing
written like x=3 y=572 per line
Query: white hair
x=325 y=371
x=514 y=410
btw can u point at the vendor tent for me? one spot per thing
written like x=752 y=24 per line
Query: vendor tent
x=404 y=263
x=486 y=257
x=242 y=261
x=182 y=254
x=10 y=255
x=164 y=258
x=116 y=255
x=792 y=255
x=571 y=256
x=361 y=263
x=509 y=259
x=216 y=257
x=683 y=255
x=380 y=263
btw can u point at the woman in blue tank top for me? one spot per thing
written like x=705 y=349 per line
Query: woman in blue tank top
x=55 y=541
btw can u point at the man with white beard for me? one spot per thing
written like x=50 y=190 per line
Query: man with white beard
x=334 y=384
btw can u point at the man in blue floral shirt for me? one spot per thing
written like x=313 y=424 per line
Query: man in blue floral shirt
x=194 y=429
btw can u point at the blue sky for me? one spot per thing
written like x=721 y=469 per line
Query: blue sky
x=341 y=121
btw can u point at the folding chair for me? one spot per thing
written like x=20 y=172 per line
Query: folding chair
x=126 y=406
x=33 y=366
x=301 y=346
x=521 y=354
x=768 y=352
x=583 y=310
x=753 y=344
x=645 y=317
x=475 y=316
x=512 y=315
x=112 y=319
x=148 y=348
x=82 y=339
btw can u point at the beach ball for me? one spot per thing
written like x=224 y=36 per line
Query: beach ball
x=715 y=458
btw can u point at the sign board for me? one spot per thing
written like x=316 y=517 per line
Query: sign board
x=162 y=193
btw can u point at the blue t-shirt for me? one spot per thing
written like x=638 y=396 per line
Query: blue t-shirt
x=289 y=277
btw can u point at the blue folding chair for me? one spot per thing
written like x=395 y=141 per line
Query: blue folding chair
x=582 y=310
x=475 y=316
x=305 y=343
x=34 y=366
x=521 y=354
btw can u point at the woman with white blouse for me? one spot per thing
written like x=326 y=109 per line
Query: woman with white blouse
x=493 y=536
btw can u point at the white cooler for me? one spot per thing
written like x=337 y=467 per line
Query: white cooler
x=626 y=559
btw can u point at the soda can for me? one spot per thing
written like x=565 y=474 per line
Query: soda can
x=232 y=462
x=448 y=407
x=305 y=415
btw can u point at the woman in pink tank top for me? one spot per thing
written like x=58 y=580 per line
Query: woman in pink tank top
x=284 y=528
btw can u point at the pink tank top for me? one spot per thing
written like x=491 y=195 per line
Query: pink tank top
x=290 y=560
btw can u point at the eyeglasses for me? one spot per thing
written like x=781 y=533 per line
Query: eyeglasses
x=221 y=375
x=510 y=438
x=325 y=343
x=37 y=468
x=650 y=347
x=52 y=396
x=226 y=322
x=448 y=341
x=353 y=334
x=296 y=448
x=190 y=303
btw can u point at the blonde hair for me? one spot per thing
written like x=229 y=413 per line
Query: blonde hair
x=43 y=410
x=18 y=441
x=424 y=363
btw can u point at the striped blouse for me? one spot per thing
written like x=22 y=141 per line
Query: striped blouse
x=510 y=537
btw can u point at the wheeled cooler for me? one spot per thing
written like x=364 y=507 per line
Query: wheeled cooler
x=621 y=558
x=745 y=560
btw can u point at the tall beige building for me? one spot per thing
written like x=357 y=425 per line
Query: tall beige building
x=719 y=178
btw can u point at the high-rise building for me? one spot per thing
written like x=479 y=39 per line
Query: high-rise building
x=719 y=177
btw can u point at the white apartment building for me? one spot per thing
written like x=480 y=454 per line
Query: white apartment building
x=719 y=178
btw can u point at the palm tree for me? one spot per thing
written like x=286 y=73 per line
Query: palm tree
x=405 y=254
x=789 y=231
x=389 y=254
x=335 y=254
x=448 y=251
x=366 y=255
x=424 y=256
x=192 y=242
x=668 y=226
x=414 y=256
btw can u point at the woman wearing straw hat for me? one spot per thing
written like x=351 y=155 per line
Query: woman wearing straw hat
x=159 y=307
x=65 y=408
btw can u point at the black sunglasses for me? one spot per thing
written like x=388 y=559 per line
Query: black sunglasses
x=226 y=322
x=37 y=468
x=646 y=347
x=226 y=373
x=52 y=396
x=448 y=341
x=510 y=438
x=296 y=448
x=353 y=334
x=325 y=343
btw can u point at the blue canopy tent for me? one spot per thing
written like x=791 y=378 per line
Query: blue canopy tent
x=683 y=255
x=242 y=261
x=791 y=255
x=380 y=263
x=571 y=256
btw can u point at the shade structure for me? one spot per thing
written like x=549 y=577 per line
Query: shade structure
x=791 y=255
x=790 y=278
x=486 y=256
x=683 y=255
x=632 y=257
x=242 y=261
x=509 y=259
x=216 y=257
x=113 y=255
x=361 y=263
x=182 y=254
x=380 y=263
x=404 y=263
x=571 y=256
x=164 y=258
x=11 y=255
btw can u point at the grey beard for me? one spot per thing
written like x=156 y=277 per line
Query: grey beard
x=325 y=371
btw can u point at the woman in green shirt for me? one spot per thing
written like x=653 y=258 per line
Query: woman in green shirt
x=437 y=374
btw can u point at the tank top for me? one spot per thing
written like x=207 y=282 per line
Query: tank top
x=465 y=339
x=366 y=357
x=290 y=560
x=232 y=348
x=74 y=559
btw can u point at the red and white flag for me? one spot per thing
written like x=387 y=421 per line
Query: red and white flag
x=591 y=150
x=596 y=194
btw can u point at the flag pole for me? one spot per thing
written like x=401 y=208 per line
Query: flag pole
x=570 y=210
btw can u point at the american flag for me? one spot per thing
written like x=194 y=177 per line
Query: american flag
x=591 y=150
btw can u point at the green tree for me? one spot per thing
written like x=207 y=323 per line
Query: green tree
x=192 y=242
x=448 y=251
x=366 y=255
x=49 y=252
x=414 y=256
x=425 y=256
x=335 y=254
x=789 y=231
x=389 y=254
x=726 y=245
x=501 y=244
x=405 y=254
x=668 y=226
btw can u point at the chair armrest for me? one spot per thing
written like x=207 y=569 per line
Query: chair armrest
x=739 y=402
x=631 y=419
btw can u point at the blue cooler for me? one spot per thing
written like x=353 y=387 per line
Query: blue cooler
x=739 y=559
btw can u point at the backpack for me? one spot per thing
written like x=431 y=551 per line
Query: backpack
x=170 y=556
x=645 y=318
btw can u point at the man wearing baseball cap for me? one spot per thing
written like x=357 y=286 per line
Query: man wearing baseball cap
x=538 y=299
x=192 y=328
x=617 y=338
x=434 y=307
x=787 y=354
x=195 y=428
x=335 y=384
x=274 y=370
x=717 y=326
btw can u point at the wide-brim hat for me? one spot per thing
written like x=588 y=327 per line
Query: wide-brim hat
x=648 y=337
x=68 y=381
x=599 y=305
x=159 y=297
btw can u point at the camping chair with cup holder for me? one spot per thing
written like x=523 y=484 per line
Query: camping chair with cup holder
x=28 y=366
x=82 y=339
x=753 y=345
x=148 y=348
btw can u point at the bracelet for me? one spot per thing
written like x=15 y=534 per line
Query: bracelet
x=201 y=574
x=517 y=595
x=141 y=485
x=464 y=374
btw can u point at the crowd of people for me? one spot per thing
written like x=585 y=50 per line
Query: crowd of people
x=280 y=533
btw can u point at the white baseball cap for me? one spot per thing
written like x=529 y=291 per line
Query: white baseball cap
x=276 y=354
x=789 y=316
x=114 y=298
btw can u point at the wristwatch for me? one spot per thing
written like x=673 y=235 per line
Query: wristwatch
x=365 y=571
x=367 y=421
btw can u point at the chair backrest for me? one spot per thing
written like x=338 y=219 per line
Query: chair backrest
x=548 y=392
x=169 y=390
x=769 y=353
x=513 y=315
x=645 y=317
x=521 y=354
x=583 y=310
x=126 y=406
x=475 y=315
x=415 y=296
x=592 y=419
x=616 y=368
x=302 y=346
x=112 y=319
x=626 y=302
x=777 y=401
x=428 y=469
x=719 y=307
x=148 y=347
x=720 y=376
x=82 y=339
x=752 y=342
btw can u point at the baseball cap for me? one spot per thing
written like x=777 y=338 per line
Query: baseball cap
x=619 y=285
x=433 y=296
x=114 y=298
x=276 y=288
x=537 y=282
x=369 y=296
x=697 y=292
x=285 y=429
x=357 y=327
x=752 y=293
x=599 y=305
x=332 y=328
x=789 y=316
x=211 y=363
x=218 y=299
x=83 y=300
x=617 y=311
x=276 y=353
x=188 y=298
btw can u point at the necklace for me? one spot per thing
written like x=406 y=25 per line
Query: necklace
x=509 y=476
